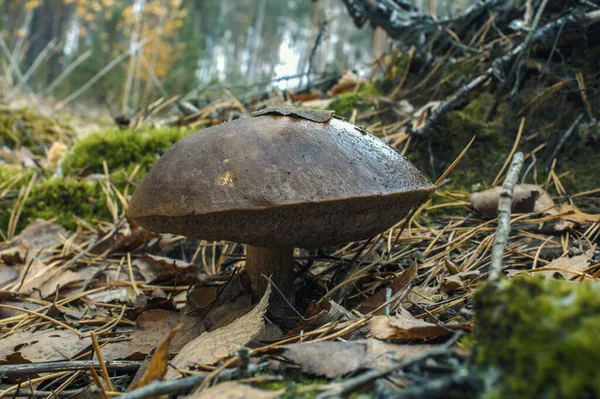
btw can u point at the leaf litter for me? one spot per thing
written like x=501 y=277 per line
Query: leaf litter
x=188 y=313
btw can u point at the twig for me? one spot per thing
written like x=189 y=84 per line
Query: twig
x=313 y=51
x=449 y=104
x=183 y=384
x=19 y=393
x=525 y=47
x=504 y=210
x=564 y=139
x=101 y=361
x=72 y=365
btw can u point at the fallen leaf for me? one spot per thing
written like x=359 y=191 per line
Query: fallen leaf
x=423 y=296
x=150 y=330
x=122 y=294
x=157 y=269
x=235 y=390
x=206 y=348
x=334 y=359
x=377 y=299
x=318 y=315
x=6 y=313
x=158 y=365
x=46 y=279
x=348 y=82
x=8 y=274
x=43 y=346
x=405 y=326
x=576 y=263
x=526 y=198
x=574 y=217
x=40 y=236
x=129 y=237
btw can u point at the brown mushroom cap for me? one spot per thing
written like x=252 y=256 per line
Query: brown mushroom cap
x=274 y=180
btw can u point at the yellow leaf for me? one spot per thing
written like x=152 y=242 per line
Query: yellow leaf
x=158 y=365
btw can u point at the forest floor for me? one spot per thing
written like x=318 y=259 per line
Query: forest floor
x=92 y=305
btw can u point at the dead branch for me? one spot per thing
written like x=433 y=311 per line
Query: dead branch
x=504 y=211
x=53 y=367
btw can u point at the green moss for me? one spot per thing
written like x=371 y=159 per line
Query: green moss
x=293 y=384
x=344 y=104
x=64 y=199
x=121 y=149
x=542 y=337
x=15 y=175
x=26 y=127
x=453 y=132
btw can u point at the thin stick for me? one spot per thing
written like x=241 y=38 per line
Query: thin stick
x=504 y=210
x=101 y=361
x=157 y=388
x=512 y=151
x=72 y=365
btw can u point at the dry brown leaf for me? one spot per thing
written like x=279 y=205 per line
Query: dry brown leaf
x=405 y=326
x=574 y=217
x=526 y=198
x=316 y=316
x=206 y=348
x=43 y=279
x=423 y=296
x=334 y=359
x=122 y=294
x=235 y=390
x=8 y=274
x=377 y=299
x=158 y=365
x=129 y=237
x=156 y=269
x=42 y=346
x=150 y=330
x=576 y=263
x=6 y=313
x=347 y=82
x=39 y=235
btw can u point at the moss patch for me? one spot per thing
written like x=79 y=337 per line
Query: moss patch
x=296 y=386
x=26 y=127
x=64 y=199
x=542 y=336
x=344 y=104
x=13 y=175
x=121 y=149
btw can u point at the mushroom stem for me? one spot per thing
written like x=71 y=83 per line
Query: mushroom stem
x=278 y=264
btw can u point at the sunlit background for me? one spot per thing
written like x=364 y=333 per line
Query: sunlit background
x=122 y=55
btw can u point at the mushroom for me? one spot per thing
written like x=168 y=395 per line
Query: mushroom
x=283 y=178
